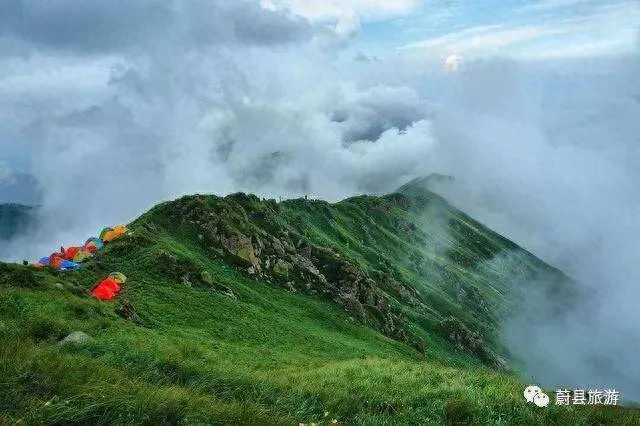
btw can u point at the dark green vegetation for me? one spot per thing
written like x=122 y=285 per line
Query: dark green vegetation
x=374 y=310
x=14 y=218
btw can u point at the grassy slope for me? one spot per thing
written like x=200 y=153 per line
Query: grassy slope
x=270 y=356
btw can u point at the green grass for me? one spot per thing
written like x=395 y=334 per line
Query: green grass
x=265 y=356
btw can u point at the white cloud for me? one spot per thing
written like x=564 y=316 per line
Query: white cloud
x=6 y=172
x=315 y=10
x=605 y=30
x=599 y=48
x=481 y=39
x=546 y=5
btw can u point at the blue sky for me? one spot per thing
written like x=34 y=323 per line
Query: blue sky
x=542 y=29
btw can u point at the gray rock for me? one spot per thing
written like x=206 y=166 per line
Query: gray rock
x=282 y=268
x=278 y=247
x=75 y=337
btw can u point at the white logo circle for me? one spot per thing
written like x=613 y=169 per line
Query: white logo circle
x=530 y=392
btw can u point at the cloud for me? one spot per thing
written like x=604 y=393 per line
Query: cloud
x=603 y=30
x=546 y=156
x=108 y=26
x=365 y=116
x=547 y=5
x=6 y=173
x=334 y=9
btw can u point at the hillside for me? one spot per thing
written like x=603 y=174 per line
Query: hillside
x=373 y=310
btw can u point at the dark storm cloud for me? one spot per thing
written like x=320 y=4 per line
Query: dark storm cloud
x=369 y=114
x=113 y=25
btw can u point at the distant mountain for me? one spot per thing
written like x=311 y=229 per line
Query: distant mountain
x=14 y=219
x=21 y=188
x=425 y=183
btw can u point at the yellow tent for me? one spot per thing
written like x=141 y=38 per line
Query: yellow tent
x=116 y=232
x=82 y=255
x=118 y=277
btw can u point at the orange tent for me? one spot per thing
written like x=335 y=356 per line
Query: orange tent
x=70 y=252
x=56 y=260
x=114 y=233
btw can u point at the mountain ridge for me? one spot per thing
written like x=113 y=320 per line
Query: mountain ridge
x=241 y=310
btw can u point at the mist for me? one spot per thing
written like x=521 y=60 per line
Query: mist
x=117 y=117
x=556 y=171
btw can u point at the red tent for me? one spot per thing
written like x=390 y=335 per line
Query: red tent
x=70 y=252
x=106 y=289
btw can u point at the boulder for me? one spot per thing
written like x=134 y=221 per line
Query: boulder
x=278 y=247
x=353 y=305
x=206 y=277
x=240 y=248
x=75 y=337
x=282 y=268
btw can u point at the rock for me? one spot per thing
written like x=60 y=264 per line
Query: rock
x=168 y=256
x=466 y=340
x=353 y=305
x=185 y=280
x=402 y=291
x=226 y=291
x=251 y=270
x=206 y=277
x=278 y=247
x=75 y=337
x=305 y=264
x=151 y=227
x=127 y=312
x=239 y=246
x=305 y=251
x=288 y=246
x=383 y=302
x=282 y=268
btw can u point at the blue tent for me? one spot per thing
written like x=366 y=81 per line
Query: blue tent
x=67 y=265
x=44 y=260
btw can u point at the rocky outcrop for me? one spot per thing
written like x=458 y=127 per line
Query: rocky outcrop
x=472 y=296
x=262 y=248
x=468 y=341
x=241 y=250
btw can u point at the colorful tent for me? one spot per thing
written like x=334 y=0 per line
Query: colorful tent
x=70 y=252
x=82 y=255
x=93 y=244
x=106 y=289
x=56 y=260
x=104 y=231
x=69 y=265
x=118 y=277
x=74 y=255
x=113 y=233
